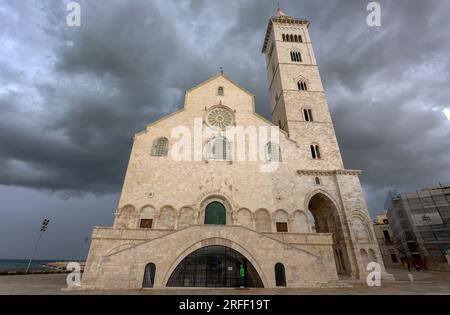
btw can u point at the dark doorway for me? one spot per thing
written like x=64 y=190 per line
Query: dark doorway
x=387 y=237
x=326 y=220
x=149 y=276
x=280 y=275
x=214 y=266
x=216 y=213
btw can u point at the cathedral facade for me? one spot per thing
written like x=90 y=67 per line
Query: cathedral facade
x=192 y=212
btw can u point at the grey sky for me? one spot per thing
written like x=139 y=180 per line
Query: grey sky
x=72 y=98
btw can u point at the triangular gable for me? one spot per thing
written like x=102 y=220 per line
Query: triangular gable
x=226 y=78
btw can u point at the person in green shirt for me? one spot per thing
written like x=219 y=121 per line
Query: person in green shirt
x=242 y=275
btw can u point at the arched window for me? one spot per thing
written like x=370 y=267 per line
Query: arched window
x=279 y=124
x=220 y=91
x=160 y=147
x=292 y=38
x=296 y=38
x=318 y=152
x=149 y=276
x=307 y=113
x=315 y=151
x=300 y=40
x=219 y=149
x=273 y=152
x=302 y=86
x=317 y=181
x=280 y=275
x=215 y=213
x=284 y=37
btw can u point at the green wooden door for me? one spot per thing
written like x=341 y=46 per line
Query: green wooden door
x=215 y=214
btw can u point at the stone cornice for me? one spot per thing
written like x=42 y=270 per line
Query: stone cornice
x=281 y=19
x=328 y=173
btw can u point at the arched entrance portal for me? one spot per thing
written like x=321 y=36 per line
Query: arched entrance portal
x=326 y=220
x=214 y=266
x=215 y=213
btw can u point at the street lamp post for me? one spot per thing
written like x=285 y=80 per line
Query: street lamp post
x=43 y=229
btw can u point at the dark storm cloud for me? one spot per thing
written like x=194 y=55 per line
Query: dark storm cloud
x=72 y=98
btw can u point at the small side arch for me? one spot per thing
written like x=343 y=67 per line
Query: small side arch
x=372 y=255
x=280 y=275
x=167 y=218
x=149 y=276
x=300 y=222
x=263 y=221
x=245 y=218
x=186 y=217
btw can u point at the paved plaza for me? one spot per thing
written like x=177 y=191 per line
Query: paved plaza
x=424 y=283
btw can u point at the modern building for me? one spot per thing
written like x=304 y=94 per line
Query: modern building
x=385 y=241
x=420 y=223
x=193 y=209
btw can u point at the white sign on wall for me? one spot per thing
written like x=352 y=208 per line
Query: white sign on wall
x=431 y=218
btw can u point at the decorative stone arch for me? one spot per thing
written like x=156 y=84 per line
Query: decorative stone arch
x=263 y=221
x=128 y=209
x=147 y=206
x=364 y=257
x=301 y=78
x=126 y=217
x=311 y=194
x=245 y=218
x=281 y=216
x=216 y=198
x=214 y=193
x=148 y=212
x=186 y=217
x=216 y=241
x=167 y=217
x=361 y=228
x=300 y=222
x=372 y=255
x=362 y=215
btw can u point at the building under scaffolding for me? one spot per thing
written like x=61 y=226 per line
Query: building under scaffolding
x=420 y=224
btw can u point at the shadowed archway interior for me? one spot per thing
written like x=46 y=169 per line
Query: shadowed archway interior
x=326 y=219
x=214 y=266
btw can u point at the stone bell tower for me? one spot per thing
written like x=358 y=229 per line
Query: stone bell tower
x=298 y=102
